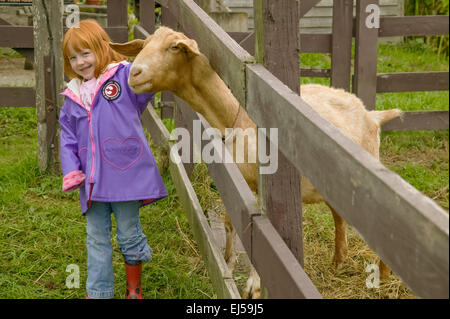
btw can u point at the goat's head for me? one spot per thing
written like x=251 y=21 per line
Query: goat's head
x=162 y=60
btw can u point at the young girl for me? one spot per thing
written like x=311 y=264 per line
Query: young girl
x=104 y=153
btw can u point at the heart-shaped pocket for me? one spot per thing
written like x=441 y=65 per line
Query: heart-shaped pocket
x=121 y=154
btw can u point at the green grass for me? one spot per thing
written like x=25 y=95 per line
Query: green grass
x=420 y=157
x=411 y=57
x=10 y=53
x=42 y=230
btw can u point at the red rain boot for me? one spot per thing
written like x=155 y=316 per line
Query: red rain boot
x=134 y=289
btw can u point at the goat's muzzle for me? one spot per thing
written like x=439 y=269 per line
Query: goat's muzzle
x=137 y=82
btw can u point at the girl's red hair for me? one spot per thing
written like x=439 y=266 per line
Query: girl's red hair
x=89 y=35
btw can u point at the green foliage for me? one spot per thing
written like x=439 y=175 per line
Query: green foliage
x=440 y=44
x=426 y=7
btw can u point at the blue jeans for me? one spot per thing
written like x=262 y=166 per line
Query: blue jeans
x=133 y=243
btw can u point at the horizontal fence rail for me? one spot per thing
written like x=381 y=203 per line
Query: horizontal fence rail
x=16 y=36
x=17 y=97
x=412 y=81
x=22 y=36
x=413 y=26
x=389 y=27
x=419 y=120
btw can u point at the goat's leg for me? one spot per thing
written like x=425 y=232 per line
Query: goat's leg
x=340 y=238
x=252 y=289
x=230 y=244
x=340 y=242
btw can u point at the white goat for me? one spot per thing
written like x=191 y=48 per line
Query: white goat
x=168 y=60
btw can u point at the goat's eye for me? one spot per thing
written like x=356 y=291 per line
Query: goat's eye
x=174 y=47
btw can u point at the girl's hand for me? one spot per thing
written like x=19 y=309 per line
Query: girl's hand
x=73 y=180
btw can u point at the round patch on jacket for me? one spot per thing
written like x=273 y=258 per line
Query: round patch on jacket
x=111 y=90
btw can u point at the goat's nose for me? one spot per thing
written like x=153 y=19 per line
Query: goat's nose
x=135 y=71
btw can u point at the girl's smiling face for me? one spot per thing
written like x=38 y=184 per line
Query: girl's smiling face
x=83 y=63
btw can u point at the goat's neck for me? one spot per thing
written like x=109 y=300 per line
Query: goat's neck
x=207 y=94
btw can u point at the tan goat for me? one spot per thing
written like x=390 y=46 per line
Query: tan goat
x=168 y=60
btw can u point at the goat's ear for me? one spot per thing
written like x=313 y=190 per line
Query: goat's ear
x=131 y=48
x=190 y=46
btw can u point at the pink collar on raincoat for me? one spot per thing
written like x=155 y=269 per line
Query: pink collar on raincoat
x=73 y=87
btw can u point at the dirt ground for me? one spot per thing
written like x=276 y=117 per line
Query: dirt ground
x=15 y=15
x=12 y=72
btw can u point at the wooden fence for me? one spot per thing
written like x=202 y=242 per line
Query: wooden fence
x=366 y=81
x=406 y=229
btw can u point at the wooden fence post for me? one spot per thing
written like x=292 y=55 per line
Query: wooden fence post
x=341 y=47
x=366 y=44
x=48 y=33
x=169 y=107
x=118 y=17
x=167 y=99
x=277 y=43
x=147 y=15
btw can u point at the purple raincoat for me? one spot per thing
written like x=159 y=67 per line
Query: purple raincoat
x=108 y=143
